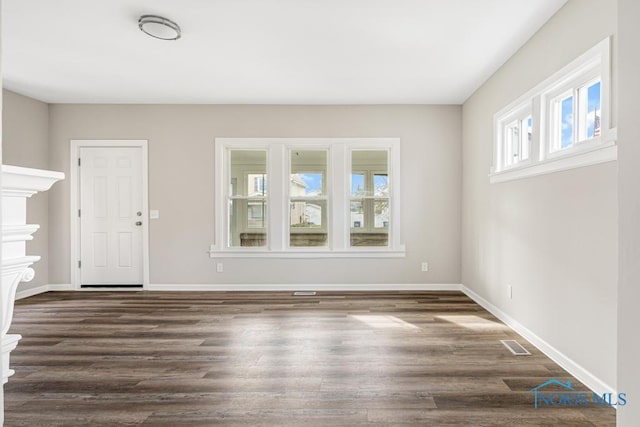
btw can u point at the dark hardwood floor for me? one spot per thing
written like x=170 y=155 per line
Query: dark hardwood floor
x=271 y=359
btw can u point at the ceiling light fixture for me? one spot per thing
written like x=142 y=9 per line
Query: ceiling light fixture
x=159 y=27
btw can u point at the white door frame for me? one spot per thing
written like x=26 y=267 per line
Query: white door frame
x=74 y=180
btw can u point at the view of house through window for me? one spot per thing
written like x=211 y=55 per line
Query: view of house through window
x=308 y=198
x=248 y=198
x=369 y=198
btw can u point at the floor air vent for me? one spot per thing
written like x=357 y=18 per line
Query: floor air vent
x=515 y=347
x=304 y=293
x=114 y=287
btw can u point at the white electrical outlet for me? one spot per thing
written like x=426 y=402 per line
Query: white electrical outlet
x=510 y=291
x=425 y=266
x=219 y=267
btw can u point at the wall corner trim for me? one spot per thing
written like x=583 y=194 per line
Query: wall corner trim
x=584 y=376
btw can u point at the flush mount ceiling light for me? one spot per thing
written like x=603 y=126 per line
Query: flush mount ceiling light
x=159 y=27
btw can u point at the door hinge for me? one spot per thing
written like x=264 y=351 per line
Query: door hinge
x=79 y=212
x=79 y=161
x=79 y=264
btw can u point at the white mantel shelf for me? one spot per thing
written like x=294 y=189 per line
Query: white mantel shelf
x=30 y=181
x=18 y=184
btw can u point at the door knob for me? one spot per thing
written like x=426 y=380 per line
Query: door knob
x=138 y=223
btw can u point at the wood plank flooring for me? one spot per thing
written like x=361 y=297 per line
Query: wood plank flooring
x=272 y=359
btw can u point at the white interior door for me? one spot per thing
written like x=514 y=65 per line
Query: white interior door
x=111 y=216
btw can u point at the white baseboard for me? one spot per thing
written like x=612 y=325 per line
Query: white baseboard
x=258 y=287
x=61 y=287
x=26 y=293
x=585 y=377
x=304 y=287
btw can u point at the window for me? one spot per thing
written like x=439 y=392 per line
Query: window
x=307 y=197
x=369 y=202
x=562 y=123
x=515 y=136
x=575 y=116
x=259 y=182
x=247 y=198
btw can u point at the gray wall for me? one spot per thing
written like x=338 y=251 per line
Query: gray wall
x=181 y=186
x=26 y=143
x=553 y=237
x=629 y=204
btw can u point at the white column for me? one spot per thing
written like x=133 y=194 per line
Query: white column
x=17 y=185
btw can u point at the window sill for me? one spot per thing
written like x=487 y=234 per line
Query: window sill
x=605 y=152
x=372 y=252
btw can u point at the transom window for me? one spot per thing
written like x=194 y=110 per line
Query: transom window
x=516 y=131
x=329 y=197
x=562 y=123
x=576 y=116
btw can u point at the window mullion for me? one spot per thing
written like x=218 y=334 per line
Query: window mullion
x=521 y=142
x=339 y=196
x=278 y=217
x=368 y=203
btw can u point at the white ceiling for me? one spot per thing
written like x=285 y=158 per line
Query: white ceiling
x=263 y=51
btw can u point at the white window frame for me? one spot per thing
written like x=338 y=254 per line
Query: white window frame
x=337 y=188
x=516 y=116
x=570 y=86
x=543 y=156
